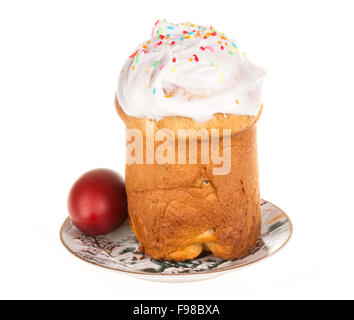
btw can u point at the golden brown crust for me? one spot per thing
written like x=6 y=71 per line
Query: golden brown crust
x=234 y=122
x=178 y=210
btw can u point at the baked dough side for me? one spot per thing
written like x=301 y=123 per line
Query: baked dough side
x=178 y=210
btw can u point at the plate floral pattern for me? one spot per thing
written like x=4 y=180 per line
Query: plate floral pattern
x=119 y=250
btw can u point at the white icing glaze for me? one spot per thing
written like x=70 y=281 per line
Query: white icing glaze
x=189 y=70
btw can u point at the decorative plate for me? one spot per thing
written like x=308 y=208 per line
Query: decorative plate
x=119 y=251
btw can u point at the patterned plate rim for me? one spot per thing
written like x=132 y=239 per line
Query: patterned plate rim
x=226 y=269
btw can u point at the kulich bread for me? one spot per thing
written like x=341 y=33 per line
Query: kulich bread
x=193 y=78
x=178 y=210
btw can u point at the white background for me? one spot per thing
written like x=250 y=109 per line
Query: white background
x=59 y=65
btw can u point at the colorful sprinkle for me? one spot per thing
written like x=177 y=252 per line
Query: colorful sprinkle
x=237 y=101
x=163 y=31
x=134 y=54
